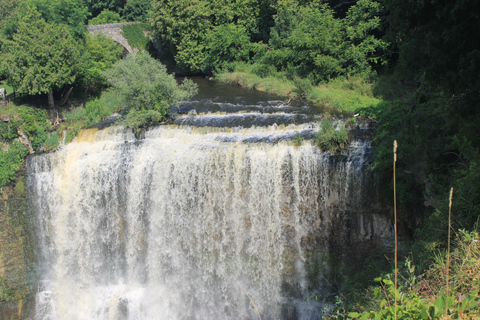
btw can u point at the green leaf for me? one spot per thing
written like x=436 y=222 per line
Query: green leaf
x=383 y=303
x=388 y=282
x=440 y=305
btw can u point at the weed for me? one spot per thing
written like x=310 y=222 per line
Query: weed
x=297 y=139
x=51 y=142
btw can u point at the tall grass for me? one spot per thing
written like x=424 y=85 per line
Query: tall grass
x=395 y=145
x=427 y=295
x=448 y=247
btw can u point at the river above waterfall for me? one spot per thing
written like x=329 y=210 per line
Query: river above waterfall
x=228 y=210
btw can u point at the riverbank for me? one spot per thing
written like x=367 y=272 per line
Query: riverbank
x=341 y=95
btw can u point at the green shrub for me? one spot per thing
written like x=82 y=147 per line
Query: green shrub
x=225 y=44
x=97 y=110
x=106 y=16
x=11 y=160
x=142 y=118
x=39 y=138
x=331 y=139
x=423 y=295
x=141 y=84
x=52 y=141
x=9 y=130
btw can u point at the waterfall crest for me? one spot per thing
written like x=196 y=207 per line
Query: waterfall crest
x=189 y=221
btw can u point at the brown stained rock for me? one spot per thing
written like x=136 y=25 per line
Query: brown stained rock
x=24 y=140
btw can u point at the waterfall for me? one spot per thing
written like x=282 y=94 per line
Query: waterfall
x=190 y=222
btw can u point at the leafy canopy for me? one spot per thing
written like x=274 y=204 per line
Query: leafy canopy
x=106 y=16
x=101 y=53
x=95 y=7
x=41 y=56
x=137 y=10
x=187 y=28
x=72 y=13
x=311 y=42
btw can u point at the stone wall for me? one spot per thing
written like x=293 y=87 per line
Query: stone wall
x=113 y=31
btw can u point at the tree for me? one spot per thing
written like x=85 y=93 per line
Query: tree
x=101 y=53
x=145 y=89
x=137 y=10
x=41 y=57
x=182 y=27
x=9 y=8
x=185 y=27
x=227 y=43
x=97 y=6
x=439 y=41
x=72 y=13
x=312 y=42
x=106 y=16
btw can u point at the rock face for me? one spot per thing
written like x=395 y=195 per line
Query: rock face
x=17 y=279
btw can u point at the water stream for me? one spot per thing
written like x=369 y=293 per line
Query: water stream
x=209 y=217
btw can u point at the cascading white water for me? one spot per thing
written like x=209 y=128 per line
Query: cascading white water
x=190 y=222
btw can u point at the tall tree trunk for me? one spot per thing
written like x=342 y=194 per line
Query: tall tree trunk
x=65 y=97
x=51 y=102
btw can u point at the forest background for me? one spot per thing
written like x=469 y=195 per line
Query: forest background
x=411 y=66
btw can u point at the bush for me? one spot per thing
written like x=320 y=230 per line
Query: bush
x=96 y=111
x=225 y=44
x=106 y=16
x=141 y=83
x=142 y=118
x=11 y=160
x=424 y=296
x=51 y=142
x=331 y=139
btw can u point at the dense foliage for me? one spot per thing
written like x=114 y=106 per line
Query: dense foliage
x=305 y=37
x=101 y=53
x=188 y=29
x=145 y=90
x=106 y=16
x=29 y=122
x=71 y=13
x=41 y=56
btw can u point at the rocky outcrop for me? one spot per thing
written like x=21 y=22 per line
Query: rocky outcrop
x=17 y=281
